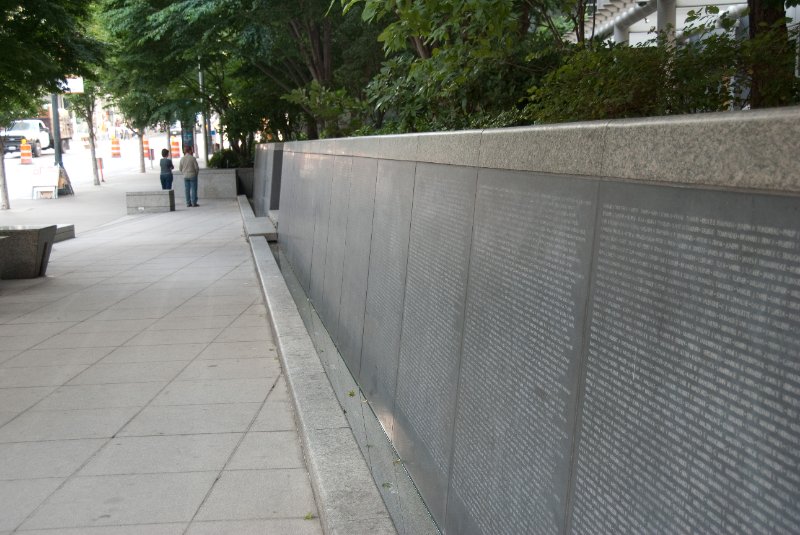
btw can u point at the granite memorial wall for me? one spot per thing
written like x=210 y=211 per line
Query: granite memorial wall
x=569 y=343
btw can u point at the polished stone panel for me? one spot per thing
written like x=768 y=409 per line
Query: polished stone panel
x=321 y=211
x=526 y=300
x=356 y=261
x=309 y=171
x=430 y=347
x=692 y=374
x=334 y=258
x=386 y=286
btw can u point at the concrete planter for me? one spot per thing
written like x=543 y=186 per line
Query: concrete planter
x=149 y=202
x=25 y=251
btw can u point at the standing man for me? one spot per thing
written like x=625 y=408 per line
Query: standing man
x=188 y=166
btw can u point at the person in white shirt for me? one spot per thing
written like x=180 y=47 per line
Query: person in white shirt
x=190 y=169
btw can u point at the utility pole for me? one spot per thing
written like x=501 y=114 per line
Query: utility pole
x=56 y=129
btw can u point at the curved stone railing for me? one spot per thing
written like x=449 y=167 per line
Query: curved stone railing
x=589 y=328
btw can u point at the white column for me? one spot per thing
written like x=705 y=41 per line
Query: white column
x=621 y=33
x=665 y=11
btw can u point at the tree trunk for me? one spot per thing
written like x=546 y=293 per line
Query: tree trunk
x=5 y=204
x=312 y=130
x=93 y=148
x=773 y=73
x=140 y=133
x=422 y=49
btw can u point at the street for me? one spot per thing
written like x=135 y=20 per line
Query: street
x=78 y=163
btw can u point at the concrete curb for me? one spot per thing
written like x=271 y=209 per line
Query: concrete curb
x=348 y=500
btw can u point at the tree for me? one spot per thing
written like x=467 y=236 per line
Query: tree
x=42 y=43
x=773 y=77
x=458 y=63
x=85 y=105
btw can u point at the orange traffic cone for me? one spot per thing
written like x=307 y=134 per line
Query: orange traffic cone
x=176 y=148
x=25 y=156
x=115 y=152
x=146 y=149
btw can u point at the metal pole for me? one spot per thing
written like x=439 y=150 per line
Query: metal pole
x=201 y=81
x=56 y=129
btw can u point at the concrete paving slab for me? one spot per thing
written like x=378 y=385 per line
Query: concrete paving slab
x=213 y=392
x=94 y=339
x=275 y=416
x=256 y=527
x=7 y=416
x=205 y=301
x=183 y=322
x=191 y=419
x=99 y=326
x=58 y=357
x=244 y=334
x=57 y=425
x=125 y=499
x=154 y=353
x=114 y=313
x=231 y=309
x=172 y=336
x=252 y=321
x=38 y=376
x=34 y=329
x=21 y=343
x=163 y=454
x=141 y=529
x=34 y=460
x=281 y=391
x=51 y=316
x=266 y=451
x=252 y=494
x=226 y=287
x=7 y=354
x=259 y=308
x=161 y=288
x=19 y=399
x=20 y=498
x=100 y=396
x=129 y=372
x=233 y=350
x=201 y=370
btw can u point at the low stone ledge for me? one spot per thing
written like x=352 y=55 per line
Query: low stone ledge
x=26 y=250
x=255 y=226
x=150 y=202
x=348 y=500
x=755 y=149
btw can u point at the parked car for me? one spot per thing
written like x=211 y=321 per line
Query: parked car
x=33 y=130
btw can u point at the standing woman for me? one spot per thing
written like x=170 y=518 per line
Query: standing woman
x=166 y=170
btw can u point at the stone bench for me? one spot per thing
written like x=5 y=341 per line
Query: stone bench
x=25 y=250
x=64 y=232
x=255 y=226
x=150 y=202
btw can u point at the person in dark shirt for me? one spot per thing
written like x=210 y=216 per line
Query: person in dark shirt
x=166 y=170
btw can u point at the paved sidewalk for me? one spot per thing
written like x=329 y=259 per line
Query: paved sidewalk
x=140 y=390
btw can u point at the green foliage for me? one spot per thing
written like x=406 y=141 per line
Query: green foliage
x=42 y=43
x=710 y=72
x=229 y=159
x=338 y=112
